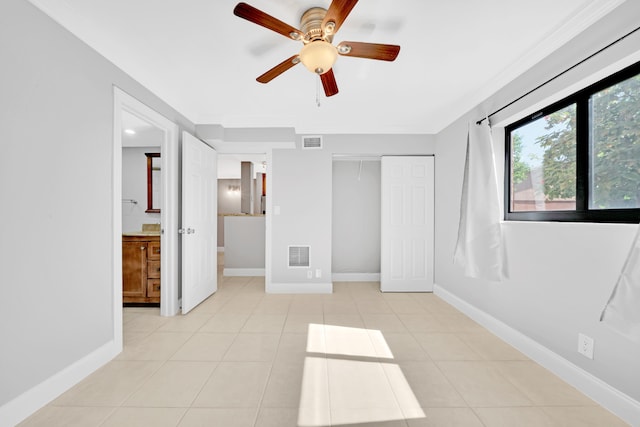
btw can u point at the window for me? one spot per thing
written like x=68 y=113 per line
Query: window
x=578 y=159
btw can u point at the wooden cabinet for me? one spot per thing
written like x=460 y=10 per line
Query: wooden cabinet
x=140 y=269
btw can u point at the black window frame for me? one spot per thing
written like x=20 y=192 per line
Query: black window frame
x=582 y=213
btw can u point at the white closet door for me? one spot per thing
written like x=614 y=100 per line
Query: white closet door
x=407 y=224
x=199 y=221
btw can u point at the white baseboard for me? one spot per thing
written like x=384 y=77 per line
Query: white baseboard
x=249 y=272
x=299 y=288
x=18 y=409
x=355 y=277
x=614 y=400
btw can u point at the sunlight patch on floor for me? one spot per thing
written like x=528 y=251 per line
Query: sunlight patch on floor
x=344 y=341
x=345 y=382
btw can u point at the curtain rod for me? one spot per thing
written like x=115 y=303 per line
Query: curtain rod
x=558 y=75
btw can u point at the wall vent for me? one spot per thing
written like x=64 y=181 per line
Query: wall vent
x=299 y=256
x=311 y=142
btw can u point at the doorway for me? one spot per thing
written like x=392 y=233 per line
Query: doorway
x=242 y=197
x=141 y=211
x=126 y=108
x=355 y=242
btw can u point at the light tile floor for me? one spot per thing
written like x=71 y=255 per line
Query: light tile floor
x=356 y=357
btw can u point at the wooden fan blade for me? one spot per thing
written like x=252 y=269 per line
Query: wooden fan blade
x=337 y=13
x=259 y=17
x=278 y=69
x=383 y=52
x=329 y=83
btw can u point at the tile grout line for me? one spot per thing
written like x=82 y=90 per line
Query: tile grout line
x=266 y=383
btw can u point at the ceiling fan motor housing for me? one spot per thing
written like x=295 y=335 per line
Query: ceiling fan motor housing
x=311 y=25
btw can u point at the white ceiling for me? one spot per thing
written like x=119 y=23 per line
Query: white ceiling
x=202 y=60
x=229 y=165
x=137 y=132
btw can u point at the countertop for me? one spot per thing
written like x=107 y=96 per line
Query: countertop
x=141 y=233
x=239 y=214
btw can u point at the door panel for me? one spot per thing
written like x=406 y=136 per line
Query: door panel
x=407 y=224
x=199 y=222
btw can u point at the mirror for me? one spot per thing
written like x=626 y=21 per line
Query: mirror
x=153 y=183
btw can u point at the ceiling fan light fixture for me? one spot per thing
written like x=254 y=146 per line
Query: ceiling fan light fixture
x=318 y=56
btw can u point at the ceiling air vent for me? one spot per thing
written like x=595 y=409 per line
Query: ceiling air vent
x=299 y=256
x=311 y=142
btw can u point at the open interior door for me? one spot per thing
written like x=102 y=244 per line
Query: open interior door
x=406 y=263
x=199 y=221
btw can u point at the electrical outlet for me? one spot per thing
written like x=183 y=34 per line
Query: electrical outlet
x=318 y=273
x=309 y=274
x=585 y=346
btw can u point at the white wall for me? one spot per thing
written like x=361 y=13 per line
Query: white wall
x=56 y=167
x=227 y=203
x=301 y=197
x=134 y=186
x=302 y=190
x=561 y=274
x=244 y=247
x=356 y=218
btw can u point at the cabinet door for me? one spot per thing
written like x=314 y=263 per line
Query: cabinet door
x=134 y=269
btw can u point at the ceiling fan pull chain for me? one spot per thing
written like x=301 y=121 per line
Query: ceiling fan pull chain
x=318 y=92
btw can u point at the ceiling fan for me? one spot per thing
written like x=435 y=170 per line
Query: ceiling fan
x=317 y=28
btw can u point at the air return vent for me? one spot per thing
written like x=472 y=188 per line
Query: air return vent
x=299 y=256
x=311 y=142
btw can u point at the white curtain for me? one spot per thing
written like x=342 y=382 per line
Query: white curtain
x=622 y=312
x=479 y=249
